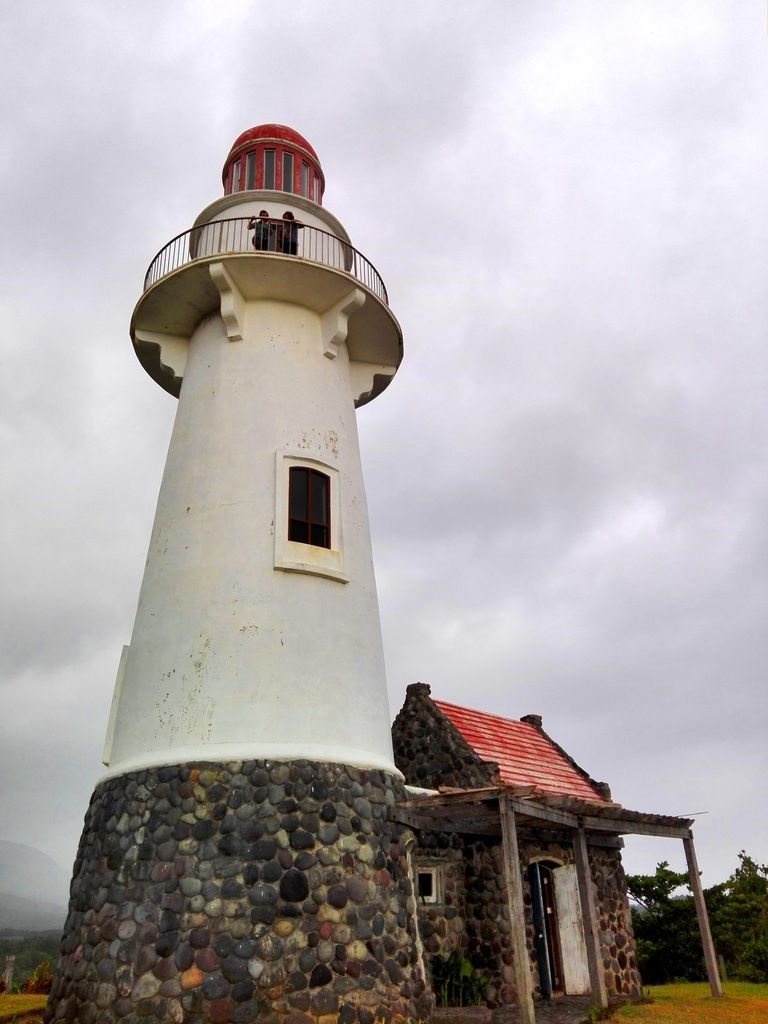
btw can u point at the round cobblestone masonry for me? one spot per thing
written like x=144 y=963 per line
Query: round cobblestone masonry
x=240 y=891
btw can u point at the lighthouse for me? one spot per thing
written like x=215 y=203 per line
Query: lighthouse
x=239 y=861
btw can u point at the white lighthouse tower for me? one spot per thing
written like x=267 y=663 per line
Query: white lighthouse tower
x=257 y=632
x=238 y=862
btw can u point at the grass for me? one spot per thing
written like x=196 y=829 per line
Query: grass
x=742 y=1003
x=18 y=1007
x=672 y=1004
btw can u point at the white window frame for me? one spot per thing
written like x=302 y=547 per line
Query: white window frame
x=295 y=556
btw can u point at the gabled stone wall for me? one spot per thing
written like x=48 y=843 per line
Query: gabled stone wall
x=431 y=752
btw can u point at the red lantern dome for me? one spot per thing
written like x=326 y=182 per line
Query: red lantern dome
x=273 y=157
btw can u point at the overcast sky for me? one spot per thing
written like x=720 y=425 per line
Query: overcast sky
x=567 y=480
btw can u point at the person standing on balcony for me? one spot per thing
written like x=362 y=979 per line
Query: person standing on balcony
x=290 y=234
x=263 y=231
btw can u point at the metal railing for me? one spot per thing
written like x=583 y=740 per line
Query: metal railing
x=264 y=237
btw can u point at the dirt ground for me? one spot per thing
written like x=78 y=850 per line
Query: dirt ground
x=562 y=1010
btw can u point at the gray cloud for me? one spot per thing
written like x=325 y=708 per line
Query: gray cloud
x=566 y=480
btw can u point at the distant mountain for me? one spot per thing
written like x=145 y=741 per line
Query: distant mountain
x=33 y=889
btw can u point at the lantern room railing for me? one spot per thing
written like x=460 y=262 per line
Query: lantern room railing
x=270 y=237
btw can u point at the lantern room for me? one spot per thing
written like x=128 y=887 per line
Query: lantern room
x=273 y=157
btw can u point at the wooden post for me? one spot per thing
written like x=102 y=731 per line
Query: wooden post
x=516 y=910
x=701 y=913
x=589 y=915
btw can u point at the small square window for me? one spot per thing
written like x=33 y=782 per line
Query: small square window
x=428 y=883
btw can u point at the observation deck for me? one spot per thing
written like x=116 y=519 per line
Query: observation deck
x=218 y=265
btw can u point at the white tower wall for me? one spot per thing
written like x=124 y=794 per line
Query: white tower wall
x=233 y=656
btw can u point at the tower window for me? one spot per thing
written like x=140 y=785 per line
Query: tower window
x=250 y=171
x=309 y=507
x=308 y=504
x=305 y=179
x=287 y=184
x=269 y=168
x=236 y=177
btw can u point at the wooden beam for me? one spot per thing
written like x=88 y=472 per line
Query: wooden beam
x=532 y=809
x=516 y=911
x=471 y=825
x=454 y=792
x=710 y=959
x=478 y=811
x=627 y=826
x=540 y=833
x=446 y=804
x=589 y=916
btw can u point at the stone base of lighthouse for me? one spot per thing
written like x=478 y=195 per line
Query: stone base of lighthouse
x=247 y=891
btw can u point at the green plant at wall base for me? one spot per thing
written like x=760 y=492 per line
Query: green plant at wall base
x=595 y=1014
x=455 y=981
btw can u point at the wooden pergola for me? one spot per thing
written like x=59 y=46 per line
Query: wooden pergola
x=505 y=811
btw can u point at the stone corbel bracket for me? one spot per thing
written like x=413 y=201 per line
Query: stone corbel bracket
x=232 y=304
x=335 y=321
x=168 y=352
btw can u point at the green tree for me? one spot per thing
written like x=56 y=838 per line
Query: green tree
x=664 y=921
x=739 y=919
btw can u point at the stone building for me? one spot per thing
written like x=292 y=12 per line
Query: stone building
x=516 y=856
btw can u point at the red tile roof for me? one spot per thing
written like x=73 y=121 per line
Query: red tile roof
x=523 y=754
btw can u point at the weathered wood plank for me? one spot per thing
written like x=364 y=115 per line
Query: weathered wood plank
x=471 y=826
x=710 y=958
x=589 y=916
x=533 y=809
x=516 y=910
x=626 y=826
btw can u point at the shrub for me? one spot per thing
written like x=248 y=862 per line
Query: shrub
x=455 y=981
x=39 y=982
x=754 y=961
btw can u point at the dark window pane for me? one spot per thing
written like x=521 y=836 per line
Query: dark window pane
x=287 y=184
x=269 y=168
x=320 y=537
x=426 y=880
x=319 y=504
x=297 y=493
x=250 y=170
x=305 y=179
x=308 y=506
x=298 y=531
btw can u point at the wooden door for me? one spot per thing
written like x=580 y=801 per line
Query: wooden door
x=571 y=926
